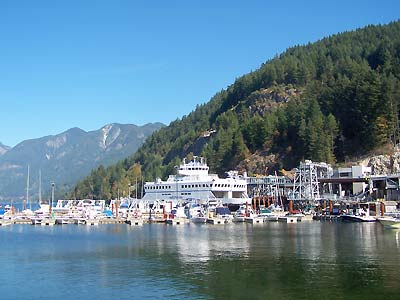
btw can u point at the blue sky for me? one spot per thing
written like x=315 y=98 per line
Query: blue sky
x=88 y=63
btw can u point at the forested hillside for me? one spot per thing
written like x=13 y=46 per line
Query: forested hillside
x=325 y=101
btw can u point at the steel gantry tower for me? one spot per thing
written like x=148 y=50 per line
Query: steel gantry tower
x=305 y=184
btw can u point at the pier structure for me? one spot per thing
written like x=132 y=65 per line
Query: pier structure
x=267 y=190
x=306 y=185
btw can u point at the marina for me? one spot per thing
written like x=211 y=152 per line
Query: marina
x=193 y=195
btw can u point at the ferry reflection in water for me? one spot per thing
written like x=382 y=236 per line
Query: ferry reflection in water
x=210 y=242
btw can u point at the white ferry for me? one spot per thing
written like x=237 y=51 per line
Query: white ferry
x=193 y=184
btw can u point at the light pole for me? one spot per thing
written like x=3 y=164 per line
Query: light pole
x=129 y=190
x=52 y=196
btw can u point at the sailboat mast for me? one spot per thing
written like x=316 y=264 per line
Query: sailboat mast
x=40 y=186
x=27 y=188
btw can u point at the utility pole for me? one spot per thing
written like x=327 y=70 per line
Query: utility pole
x=52 y=195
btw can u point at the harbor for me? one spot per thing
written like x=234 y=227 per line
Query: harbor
x=314 y=192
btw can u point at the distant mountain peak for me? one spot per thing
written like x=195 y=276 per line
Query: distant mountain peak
x=3 y=148
x=66 y=157
x=75 y=130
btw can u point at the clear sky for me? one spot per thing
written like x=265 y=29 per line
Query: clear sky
x=87 y=63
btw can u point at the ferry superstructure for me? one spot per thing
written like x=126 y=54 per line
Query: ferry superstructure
x=193 y=183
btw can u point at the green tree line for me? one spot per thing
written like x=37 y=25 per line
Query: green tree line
x=346 y=104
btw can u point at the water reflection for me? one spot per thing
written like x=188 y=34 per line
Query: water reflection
x=201 y=243
x=397 y=233
x=235 y=261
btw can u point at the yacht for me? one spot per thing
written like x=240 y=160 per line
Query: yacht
x=194 y=184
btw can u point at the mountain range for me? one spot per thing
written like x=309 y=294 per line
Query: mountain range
x=66 y=157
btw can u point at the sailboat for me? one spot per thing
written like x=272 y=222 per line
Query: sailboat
x=27 y=212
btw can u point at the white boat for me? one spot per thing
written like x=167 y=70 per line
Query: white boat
x=194 y=184
x=362 y=214
x=357 y=218
x=390 y=222
x=197 y=214
x=5 y=222
x=244 y=211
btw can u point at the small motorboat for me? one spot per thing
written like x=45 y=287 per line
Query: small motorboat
x=390 y=221
x=357 y=218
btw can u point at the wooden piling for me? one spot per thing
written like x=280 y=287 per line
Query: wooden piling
x=382 y=209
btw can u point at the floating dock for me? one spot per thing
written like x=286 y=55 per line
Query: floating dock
x=92 y=222
x=216 y=221
x=134 y=222
x=177 y=221
x=254 y=220
x=288 y=219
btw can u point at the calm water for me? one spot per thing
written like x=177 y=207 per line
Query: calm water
x=269 y=261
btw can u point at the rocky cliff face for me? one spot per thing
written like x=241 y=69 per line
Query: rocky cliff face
x=384 y=164
x=260 y=163
x=265 y=100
